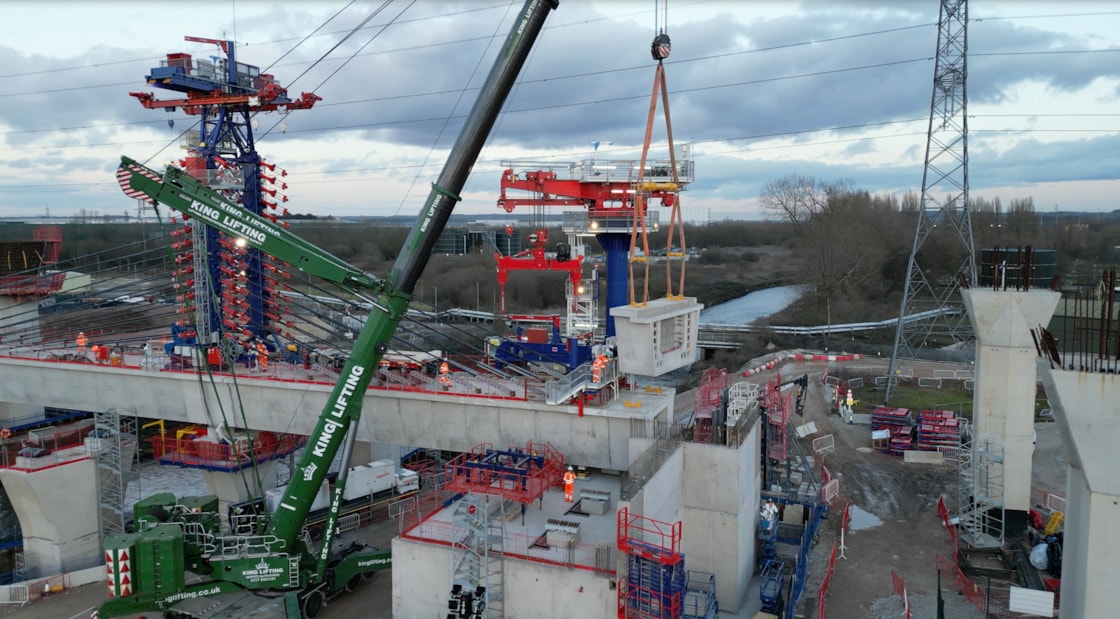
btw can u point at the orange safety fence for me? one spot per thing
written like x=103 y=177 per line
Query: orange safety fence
x=826 y=581
x=900 y=588
x=970 y=590
x=943 y=513
x=46 y=587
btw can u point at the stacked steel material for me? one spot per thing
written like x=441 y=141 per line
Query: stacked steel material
x=900 y=423
x=938 y=429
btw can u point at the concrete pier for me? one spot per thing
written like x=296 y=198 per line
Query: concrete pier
x=57 y=507
x=1004 y=399
x=1084 y=406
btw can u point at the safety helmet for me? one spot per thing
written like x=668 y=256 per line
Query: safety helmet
x=569 y=468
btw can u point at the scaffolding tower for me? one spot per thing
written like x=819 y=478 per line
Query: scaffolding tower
x=478 y=582
x=115 y=430
x=655 y=580
x=931 y=302
x=488 y=478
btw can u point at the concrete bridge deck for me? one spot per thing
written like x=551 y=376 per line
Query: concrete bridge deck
x=288 y=398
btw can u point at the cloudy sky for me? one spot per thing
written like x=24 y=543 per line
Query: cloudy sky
x=824 y=88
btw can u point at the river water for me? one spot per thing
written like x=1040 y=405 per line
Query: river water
x=751 y=307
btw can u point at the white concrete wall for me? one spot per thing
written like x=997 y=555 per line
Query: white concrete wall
x=720 y=495
x=58 y=513
x=1003 y=414
x=660 y=499
x=1075 y=547
x=1085 y=410
x=10 y=411
x=422 y=579
x=238 y=486
x=1102 y=596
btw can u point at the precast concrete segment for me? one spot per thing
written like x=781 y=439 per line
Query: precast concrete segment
x=600 y=438
x=657 y=338
x=58 y=512
x=1084 y=407
x=1003 y=401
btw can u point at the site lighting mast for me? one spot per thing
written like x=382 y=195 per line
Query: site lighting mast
x=931 y=312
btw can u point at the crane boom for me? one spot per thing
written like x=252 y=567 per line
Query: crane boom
x=336 y=427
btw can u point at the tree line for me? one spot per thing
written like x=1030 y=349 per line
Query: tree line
x=855 y=246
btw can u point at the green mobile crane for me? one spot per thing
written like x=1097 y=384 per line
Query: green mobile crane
x=173 y=536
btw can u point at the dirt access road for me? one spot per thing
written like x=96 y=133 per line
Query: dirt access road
x=904 y=498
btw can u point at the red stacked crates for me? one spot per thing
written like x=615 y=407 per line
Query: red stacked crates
x=899 y=422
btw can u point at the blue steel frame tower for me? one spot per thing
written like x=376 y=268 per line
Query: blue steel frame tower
x=931 y=299
x=233 y=288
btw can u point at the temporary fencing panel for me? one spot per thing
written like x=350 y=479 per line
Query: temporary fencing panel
x=825 y=582
x=13 y=594
x=900 y=589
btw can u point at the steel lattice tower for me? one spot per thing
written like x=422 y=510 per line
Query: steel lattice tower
x=227 y=288
x=943 y=214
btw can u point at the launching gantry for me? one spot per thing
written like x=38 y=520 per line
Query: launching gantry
x=653 y=338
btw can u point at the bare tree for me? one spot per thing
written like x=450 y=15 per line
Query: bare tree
x=801 y=199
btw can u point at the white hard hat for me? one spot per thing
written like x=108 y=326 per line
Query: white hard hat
x=569 y=468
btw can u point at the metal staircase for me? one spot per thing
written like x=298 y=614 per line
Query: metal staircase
x=114 y=431
x=478 y=577
x=980 y=502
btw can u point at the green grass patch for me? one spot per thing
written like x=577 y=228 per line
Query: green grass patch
x=919 y=398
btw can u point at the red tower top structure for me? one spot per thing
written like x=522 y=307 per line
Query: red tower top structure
x=24 y=265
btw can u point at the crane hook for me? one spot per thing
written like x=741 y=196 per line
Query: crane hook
x=661 y=47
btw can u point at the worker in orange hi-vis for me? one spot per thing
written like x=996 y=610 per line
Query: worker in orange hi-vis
x=597 y=368
x=262 y=356
x=569 y=484
x=445 y=374
x=81 y=341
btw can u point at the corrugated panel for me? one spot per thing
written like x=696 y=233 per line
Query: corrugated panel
x=1031 y=602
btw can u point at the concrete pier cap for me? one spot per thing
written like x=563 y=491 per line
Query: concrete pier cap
x=58 y=514
x=1005 y=317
